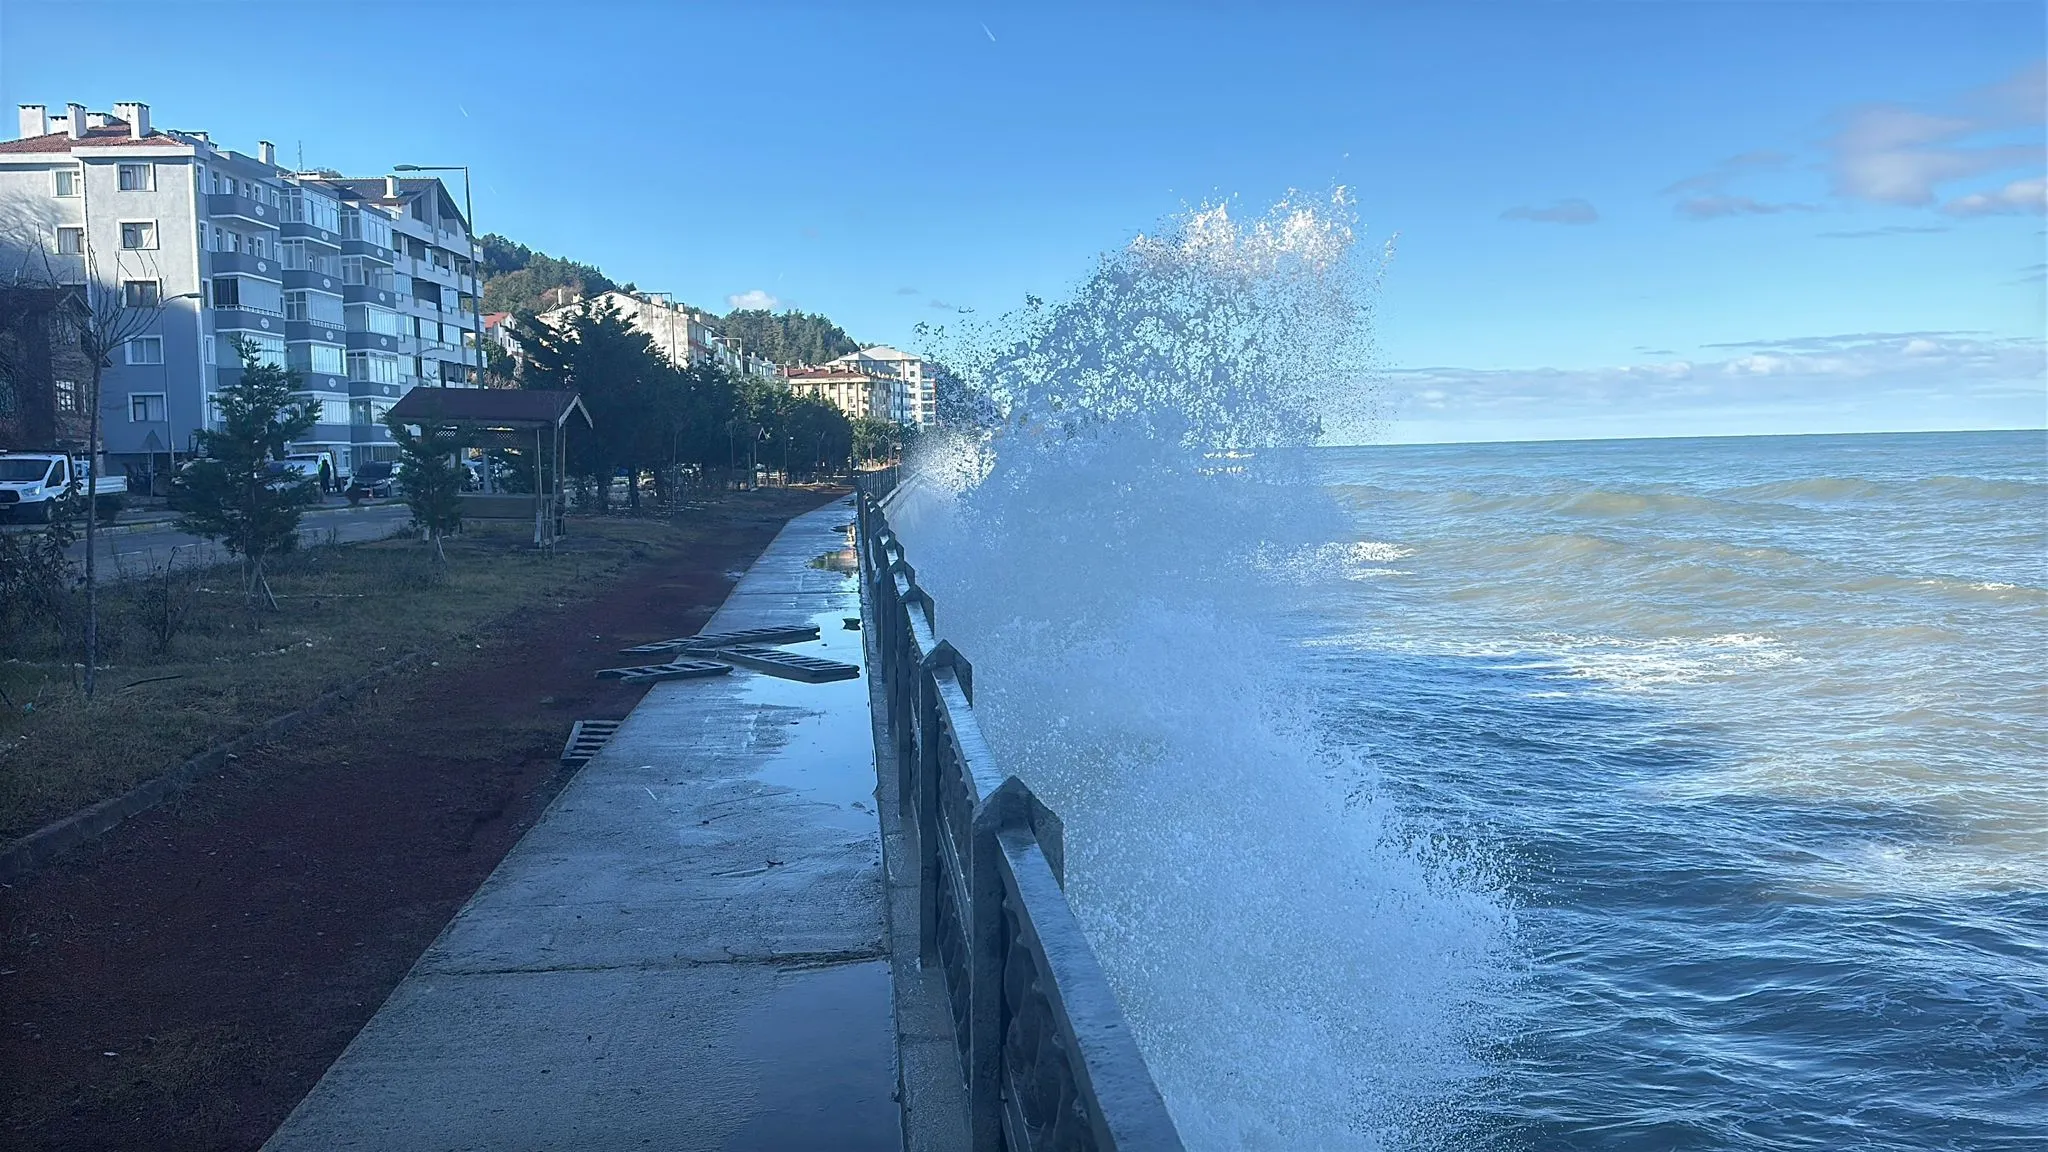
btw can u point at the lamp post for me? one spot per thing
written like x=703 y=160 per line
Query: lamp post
x=476 y=306
x=170 y=427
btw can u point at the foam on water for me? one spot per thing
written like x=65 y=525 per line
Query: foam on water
x=1304 y=965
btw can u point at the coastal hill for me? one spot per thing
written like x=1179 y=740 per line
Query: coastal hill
x=518 y=279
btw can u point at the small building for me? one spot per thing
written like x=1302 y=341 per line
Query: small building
x=511 y=419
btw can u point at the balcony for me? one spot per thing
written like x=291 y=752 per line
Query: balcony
x=308 y=278
x=373 y=251
x=266 y=267
x=361 y=341
x=241 y=208
x=247 y=320
x=366 y=294
x=310 y=232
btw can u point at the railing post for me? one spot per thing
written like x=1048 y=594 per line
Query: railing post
x=987 y=953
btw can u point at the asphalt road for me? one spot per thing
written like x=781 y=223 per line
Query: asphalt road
x=124 y=554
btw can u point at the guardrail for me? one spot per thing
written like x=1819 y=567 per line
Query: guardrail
x=1048 y=1059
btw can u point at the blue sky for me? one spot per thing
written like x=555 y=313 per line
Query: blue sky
x=1614 y=219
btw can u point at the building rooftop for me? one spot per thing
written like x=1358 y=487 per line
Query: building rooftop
x=113 y=134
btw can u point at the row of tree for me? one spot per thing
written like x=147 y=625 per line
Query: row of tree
x=698 y=423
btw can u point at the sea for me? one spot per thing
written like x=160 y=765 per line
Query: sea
x=1754 y=732
x=1642 y=795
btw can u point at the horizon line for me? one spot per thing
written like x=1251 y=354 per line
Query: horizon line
x=1684 y=436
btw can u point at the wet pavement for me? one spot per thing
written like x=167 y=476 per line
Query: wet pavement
x=686 y=952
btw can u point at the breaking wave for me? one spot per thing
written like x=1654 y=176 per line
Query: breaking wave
x=1303 y=964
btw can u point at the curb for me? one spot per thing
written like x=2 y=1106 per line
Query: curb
x=26 y=854
x=170 y=523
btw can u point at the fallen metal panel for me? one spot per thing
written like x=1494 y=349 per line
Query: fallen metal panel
x=727 y=639
x=787 y=665
x=677 y=670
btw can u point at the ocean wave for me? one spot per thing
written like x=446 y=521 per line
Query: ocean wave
x=1628 y=664
x=1861 y=489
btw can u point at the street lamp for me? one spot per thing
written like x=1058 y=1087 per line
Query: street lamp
x=476 y=310
x=170 y=427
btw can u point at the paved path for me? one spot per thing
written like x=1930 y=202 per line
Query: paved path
x=687 y=952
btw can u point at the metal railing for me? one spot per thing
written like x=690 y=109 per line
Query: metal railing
x=1049 y=1062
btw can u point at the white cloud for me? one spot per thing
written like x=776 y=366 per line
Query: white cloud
x=1896 y=155
x=753 y=298
x=1573 y=211
x=2020 y=196
x=1857 y=381
x=1714 y=207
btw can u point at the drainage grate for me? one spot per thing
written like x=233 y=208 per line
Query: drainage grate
x=727 y=639
x=651 y=673
x=585 y=739
x=787 y=665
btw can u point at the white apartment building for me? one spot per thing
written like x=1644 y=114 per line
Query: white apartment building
x=912 y=396
x=366 y=287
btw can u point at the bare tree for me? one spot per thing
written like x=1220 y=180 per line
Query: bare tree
x=110 y=320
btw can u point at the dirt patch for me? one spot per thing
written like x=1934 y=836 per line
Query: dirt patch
x=184 y=981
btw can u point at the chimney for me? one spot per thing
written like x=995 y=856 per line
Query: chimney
x=76 y=123
x=266 y=152
x=391 y=187
x=137 y=116
x=35 y=121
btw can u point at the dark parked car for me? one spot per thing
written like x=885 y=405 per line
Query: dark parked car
x=374 y=480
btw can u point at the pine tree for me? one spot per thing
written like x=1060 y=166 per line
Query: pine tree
x=231 y=495
x=431 y=481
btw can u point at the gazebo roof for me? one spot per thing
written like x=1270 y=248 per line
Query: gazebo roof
x=489 y=407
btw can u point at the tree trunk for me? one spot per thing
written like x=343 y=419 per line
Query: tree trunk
x=92 y=516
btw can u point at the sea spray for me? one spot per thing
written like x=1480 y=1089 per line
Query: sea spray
x=1300 y=968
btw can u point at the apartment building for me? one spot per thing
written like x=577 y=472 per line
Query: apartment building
x=855 y=391
x=683 y=334
x=911 y=393
x=366 y=287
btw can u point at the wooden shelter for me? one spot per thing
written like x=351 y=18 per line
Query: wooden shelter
x=505 y=418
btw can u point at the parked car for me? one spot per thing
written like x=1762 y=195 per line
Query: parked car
x=374 y=480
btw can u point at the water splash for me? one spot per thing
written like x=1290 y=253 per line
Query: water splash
x=1300 y=962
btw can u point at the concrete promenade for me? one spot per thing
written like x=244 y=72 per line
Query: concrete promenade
x=686 y=952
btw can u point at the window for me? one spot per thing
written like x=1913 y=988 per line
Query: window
x=138 y=234
x=67 y=395
x=68 y=182
x=359 y=412
x=267 y=349
x=368 y=318
x=256 y=245
x=70 y=241
x=207 y=350
x=144 y=407
x=375 y=367
x=146 y=350
x=324 y=359
x=140 y=293
x=137 y=177
x=249 y=294
x=292 y=254
x=316 y=307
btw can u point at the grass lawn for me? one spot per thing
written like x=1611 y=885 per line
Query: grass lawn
x=344 y=610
